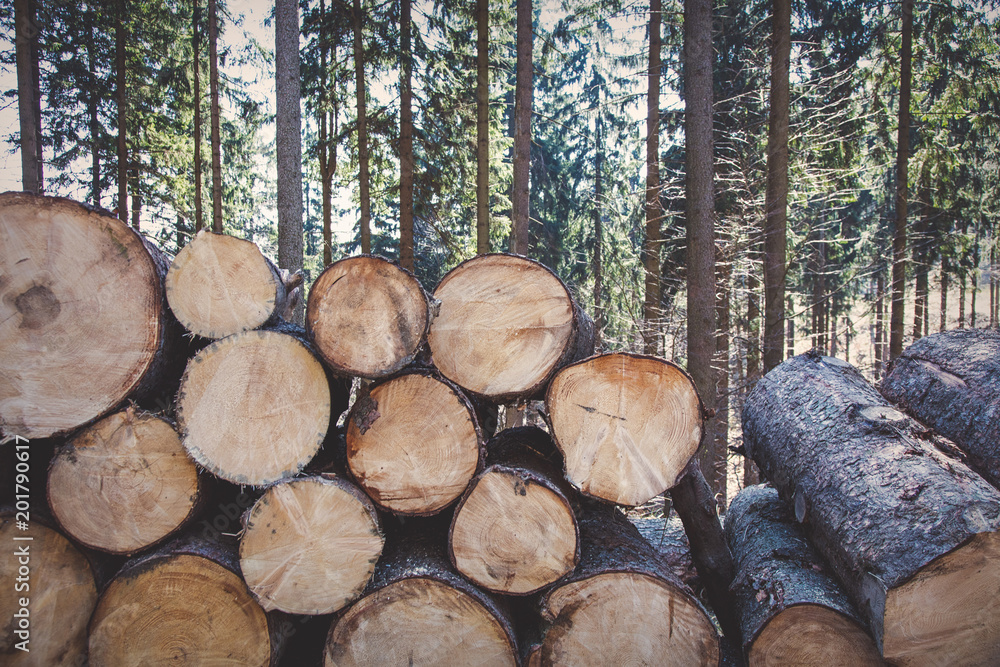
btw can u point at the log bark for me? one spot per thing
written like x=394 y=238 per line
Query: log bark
x=219 y=285
x=514 y=530
x=367 y=316
x=627 y=425
x=83 y=321
x=309 y=545
x=417 y=610
x=622 y=604
x=667 y=536
x=506 y=324
x=57 y=588
x=951 y=382
x=910 y=531
x=255 y=407
x=792 y=610
x=413 y=443
x=185 y=602
x=124 y=484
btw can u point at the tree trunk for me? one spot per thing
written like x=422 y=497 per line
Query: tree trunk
x=921 y=257
x=93 y=100
x=994 y=283
x=623 y=588
x=776 y=196
x=136 y=196
x=414 y=443
x=626 y=424
x=418 y=610
x=85 y=323
x=961 y=299
x=505 y=325
x=309 y=545
x=654 y=215
x=255 y=407
x=219 y=285
x=945 y=280
x=123 y=484
x=60 y=587
x=405 y=139
x=951 y=382
x=288 y=137
x=598 y=262
x=896 y=329
x=213 y=83
x=28 y=102
x=910 y=531
x=880 y=359
x=790 y=316
x=121 y=37
x=184 y=602
x=199 y=220
x=791 y=608
x=482 y=127
x=367 y=317
x=523 y=93
x=713 y=459
x=514 y=530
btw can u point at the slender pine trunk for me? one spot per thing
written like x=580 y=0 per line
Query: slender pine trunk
x=405 y=139
x=945 y=285
x=213 y=82
x=654 y=214
x=523 y=94
x=28 y=96
x=120 y=40
x=896 y=329
x=199 y=220
x=364 y=178
x=482 y=127
x=93 y=100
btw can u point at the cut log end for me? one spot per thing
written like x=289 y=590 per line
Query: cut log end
x=949 y=612
x=81 y=314
x=512 y=534
x=310 y=545
x=626 y=424
x=505 y=325
x=62 y=596
x=254 y=407
x=622 y=618
x=367 y=317
x=123 y=484
x=418 y=621
x=219 y=285
x=180 y=608
x=809 y=634
x=413 y=444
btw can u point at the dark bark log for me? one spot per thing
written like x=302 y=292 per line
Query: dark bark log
x=951 y=382
x=623 y=605
x=910 y=531
x=792 y=610
x=506 y=324
x=667 y=536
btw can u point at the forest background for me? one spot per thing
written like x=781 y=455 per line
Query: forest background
x=124 y=95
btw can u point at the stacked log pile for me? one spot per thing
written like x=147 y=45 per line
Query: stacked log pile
x=256 y=490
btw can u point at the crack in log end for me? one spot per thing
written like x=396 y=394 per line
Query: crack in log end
x=366 y=413
x=595 y=411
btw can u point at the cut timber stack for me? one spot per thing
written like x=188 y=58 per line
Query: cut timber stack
x=911 y=532
x=951 y=382
x=220 y=285
x=505 y=325
x=367 y=317
x=83 y=320
x=124 y=483
x=792 y=610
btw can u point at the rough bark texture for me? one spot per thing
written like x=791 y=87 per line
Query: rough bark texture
x=26 y=56
x=523 y=93
x=627 y=425
x=482 y=127
x=418 y=610
x=47 y=604
x=367 y=316
x=792 y=611
x=898 y=323
x=654 y=212
x=506 y=324
x=514 y=530
x=910 y=531
x=83 y=319
x=950 y=381
x=623 y=605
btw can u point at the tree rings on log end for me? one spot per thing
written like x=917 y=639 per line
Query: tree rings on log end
x=512 y=533
x=124 y=483
x=626 y=424
x=949 y=612
x=505 y=325
x=179 y=608
x=413 y=444
x=626 y=618
x=367 y=316
x=254 y=407
x=419 y=621
x=808 y=634
x=220 y=285
x=310 y=545
x=60 y=599
x=81 y=314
